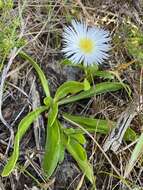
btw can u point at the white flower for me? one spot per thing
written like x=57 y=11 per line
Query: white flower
x=85 y=44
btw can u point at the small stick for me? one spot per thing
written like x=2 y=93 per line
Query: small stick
x=114 y=140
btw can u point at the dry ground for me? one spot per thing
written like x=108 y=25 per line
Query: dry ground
x=43 y=22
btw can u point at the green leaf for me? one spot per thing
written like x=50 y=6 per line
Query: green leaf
x=48 y=101
x=138 y=151
x=94 y=90
x=79 y=154
x=77 y=148
x=130 y=135
x=62 y=146
x=1 y=4
x=91 y=70
x=104 y=74
x=66 y=62
x=86 y=85
x=62 y=153
x=79 y=137
x=70 y=87
x=22 y=128
x=39 y=71
x=98 y=125
x=52 y=149
x=69 y=131
x=52 y=115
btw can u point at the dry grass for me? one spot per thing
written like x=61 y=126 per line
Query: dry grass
x=42 y=22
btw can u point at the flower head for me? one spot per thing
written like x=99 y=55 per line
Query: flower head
x=85 y=44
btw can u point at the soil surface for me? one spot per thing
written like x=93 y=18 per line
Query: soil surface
x=43 y=23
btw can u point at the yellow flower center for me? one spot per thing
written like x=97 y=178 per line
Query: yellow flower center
x=86 y=45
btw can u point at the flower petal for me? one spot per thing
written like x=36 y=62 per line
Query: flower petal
x=79 y=31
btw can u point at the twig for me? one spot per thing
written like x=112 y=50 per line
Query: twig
x=84 y=10
x=6 y=69
x=2 y=82
x=115 y=138
x=38 y=125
